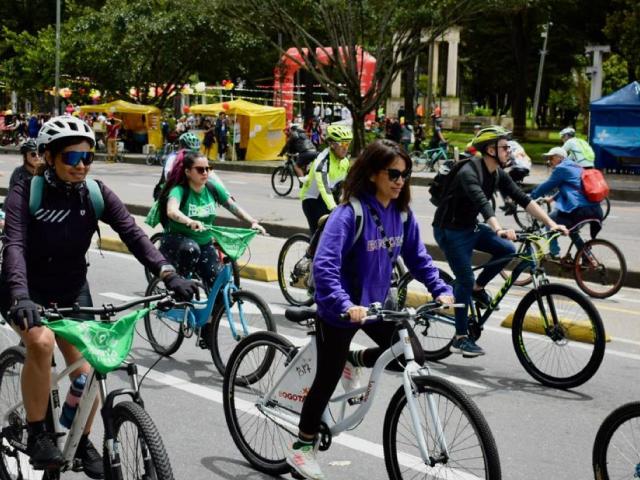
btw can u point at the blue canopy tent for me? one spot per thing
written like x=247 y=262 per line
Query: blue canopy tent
x=615 y=130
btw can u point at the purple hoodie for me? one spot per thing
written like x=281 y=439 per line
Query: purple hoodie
x=340 y=271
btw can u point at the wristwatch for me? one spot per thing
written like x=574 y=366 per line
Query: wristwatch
x=166 y=269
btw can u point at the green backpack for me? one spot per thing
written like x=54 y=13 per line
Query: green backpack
x=37 y=187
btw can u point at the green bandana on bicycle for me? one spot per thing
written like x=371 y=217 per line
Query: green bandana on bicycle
x=103 y=345
x=233 y=241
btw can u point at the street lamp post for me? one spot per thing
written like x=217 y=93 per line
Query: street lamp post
x=543 y=53
x=56 y=98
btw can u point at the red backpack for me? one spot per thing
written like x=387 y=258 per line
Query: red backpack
x=594 y=185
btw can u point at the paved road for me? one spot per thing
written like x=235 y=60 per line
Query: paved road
x=540 y=432
x=134 y=184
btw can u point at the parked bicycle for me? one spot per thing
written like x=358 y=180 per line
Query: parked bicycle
x=557 y=332
x=598 y=267
x=432 y=429
x=430 y=159
x=233 y=313
x=282 y=177
x=158 y=157
x=616 y=450
x=133 y=448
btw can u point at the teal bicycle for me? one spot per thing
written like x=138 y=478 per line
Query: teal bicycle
x=430 y=159
x=225 y=316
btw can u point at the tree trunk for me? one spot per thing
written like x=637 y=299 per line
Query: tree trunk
x=358 y=133
x=409 y=94
x=307 y=81
x=520 y=43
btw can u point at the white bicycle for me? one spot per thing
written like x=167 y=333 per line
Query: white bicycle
x=432 y=429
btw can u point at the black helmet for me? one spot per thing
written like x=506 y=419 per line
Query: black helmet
x=28 y=146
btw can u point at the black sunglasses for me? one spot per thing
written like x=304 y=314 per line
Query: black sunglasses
x=33 y=154
x=74 y=158
x=395 y=174
x=201 y=170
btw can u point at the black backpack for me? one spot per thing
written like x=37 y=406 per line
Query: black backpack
x=439 y=188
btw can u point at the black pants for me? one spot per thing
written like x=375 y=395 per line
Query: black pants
x=188 y=257
x=313 y=209
x=333 y=349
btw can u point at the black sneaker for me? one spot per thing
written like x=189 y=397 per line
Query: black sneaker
x=205 y=337
x=43 y=451
x=91 y=461
x=482 y=298
x=466 y=347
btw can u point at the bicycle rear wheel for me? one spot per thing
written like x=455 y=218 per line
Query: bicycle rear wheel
x=558 y=336
x=164 y=334
x=470 y=451
x=142 y=453
x=282 y=181
x=14 y=463
x=256 y=315
x=616 y=450
x=257 y=363
x=600 y=268
x=435 y=330
x=294 y=270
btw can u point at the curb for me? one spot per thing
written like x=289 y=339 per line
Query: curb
x=578 y=331
x=261 y=273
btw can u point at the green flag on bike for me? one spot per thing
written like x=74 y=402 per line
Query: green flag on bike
x=233 y=241
x=153 y=217
x=104 y=345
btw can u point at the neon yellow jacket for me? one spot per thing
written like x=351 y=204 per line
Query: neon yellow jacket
x=326 y=170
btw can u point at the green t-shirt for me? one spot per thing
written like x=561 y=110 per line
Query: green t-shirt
x=198 y=206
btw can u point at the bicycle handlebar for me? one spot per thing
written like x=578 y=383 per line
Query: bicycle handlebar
x=375 y=311
x=164 y=300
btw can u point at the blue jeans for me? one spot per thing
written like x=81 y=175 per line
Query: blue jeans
x=458 y=247
x=569 y=219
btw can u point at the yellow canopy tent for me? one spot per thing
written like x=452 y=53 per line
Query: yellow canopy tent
x=261 y=127
x=134 y=117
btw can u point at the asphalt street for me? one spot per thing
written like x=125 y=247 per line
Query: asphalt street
x=540 y=432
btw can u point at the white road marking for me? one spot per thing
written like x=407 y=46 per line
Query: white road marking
x=344 y=439
x=236 y=182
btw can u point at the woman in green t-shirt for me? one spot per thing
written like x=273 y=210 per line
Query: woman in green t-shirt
x=188 y=202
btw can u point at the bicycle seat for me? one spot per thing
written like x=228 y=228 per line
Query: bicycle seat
x=300 y=314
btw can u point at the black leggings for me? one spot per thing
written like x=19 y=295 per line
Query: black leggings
x=313 y=209
x=188 y=257
x=333 y=349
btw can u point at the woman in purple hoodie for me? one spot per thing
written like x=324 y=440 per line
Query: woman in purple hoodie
x=351 y=273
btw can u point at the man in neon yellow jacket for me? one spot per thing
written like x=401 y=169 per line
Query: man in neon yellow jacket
x=329 y=168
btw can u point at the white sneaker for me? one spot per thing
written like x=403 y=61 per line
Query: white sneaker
x=351 y=377
x=303 y=460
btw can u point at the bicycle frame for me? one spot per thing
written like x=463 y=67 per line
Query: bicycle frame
x=364 y=395
x=96 y=385
x=201 y=312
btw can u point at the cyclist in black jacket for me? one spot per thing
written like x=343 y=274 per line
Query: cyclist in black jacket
x=299 y=143
x=456 y=228
x=44 y=263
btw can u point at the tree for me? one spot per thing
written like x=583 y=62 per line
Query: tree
x=623 y=28
x=343 y=30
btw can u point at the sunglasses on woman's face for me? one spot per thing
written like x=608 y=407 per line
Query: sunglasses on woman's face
x=201 y=170
x=395 y=174
x=33 y=154
x=74 y=158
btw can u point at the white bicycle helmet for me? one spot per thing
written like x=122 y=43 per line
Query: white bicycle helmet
x=64 y=126
x=567 y=131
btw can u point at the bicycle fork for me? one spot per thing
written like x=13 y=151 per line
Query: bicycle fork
x=411 y=393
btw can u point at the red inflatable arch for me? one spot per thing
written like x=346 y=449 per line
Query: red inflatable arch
x=292 y=61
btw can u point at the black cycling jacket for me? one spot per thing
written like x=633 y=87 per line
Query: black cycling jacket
x=46 y=251
x=298 y=142
x=470 y=198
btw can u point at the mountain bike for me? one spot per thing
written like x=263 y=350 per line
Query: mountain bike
x=230 y=312
x=133 y=448
x=282 y=177
x=598 y=267
x=429 y=159
x=431 y=429
x=557 y=332
x=616 y=450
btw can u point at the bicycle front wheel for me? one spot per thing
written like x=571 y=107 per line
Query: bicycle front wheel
x=524 y=219
x=248 y=314
x=558 y=336
x=142 y=453
x=261 y=439
x=418 y=161
x=282 y=181
x=156 y=239
x=14 y=464
x=616 y=450
x=164 y=334
x=294 y=270
x=600 y=268
x=459 y=441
